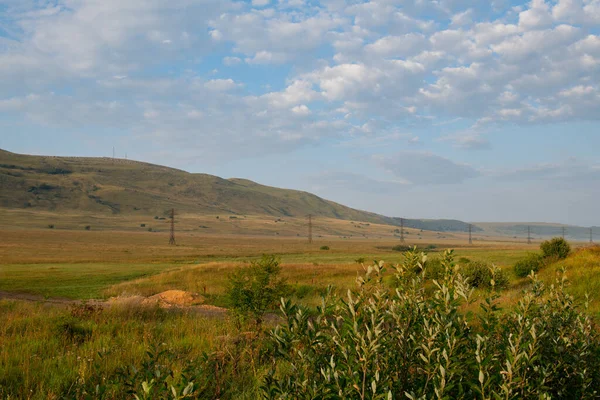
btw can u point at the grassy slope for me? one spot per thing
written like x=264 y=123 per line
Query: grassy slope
x=102 y=186
x=97 y=185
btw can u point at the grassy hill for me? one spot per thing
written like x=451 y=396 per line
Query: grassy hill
x=105 y=186
x=538 y=230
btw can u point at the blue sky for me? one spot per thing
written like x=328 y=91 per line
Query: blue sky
x=482 y=111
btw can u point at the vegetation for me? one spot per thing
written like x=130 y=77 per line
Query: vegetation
x=406 y=343
x=557 y=248
x=552 y=251
x=255 y=289
x=124 y=348
x=533 y=262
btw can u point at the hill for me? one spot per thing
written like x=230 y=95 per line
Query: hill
x=538 y=230
x=105 y=186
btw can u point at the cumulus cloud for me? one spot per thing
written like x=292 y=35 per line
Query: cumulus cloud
x=360 y=69
x=221 y=84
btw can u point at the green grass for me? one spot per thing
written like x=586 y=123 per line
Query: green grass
x=94 y=279
x=41 y=361
x=73 y=281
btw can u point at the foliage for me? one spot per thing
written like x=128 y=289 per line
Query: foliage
x=324 y=247
x=415 y=343
x=556 y=248
x=480 y=274
x=256 y=289
x=533 y=262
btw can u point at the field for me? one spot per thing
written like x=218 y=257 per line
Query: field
x=57 y=266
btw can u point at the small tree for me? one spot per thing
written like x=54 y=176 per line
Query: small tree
x=557 y=248
x=256 y=289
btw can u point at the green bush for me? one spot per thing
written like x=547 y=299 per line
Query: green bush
x=480 y=275
x=533 y=262
x=557 y=248
x=256 y=289
x=416 y=343
x=324 y=247
x=401 y=248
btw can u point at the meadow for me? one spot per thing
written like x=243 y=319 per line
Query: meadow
x=67 y=350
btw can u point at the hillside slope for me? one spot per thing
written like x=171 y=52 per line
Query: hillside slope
x=107 y=186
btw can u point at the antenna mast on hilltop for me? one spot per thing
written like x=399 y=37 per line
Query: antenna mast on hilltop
x=564 y=232
x=470 y=234
x=172 y=238
x=310 y=228
x=529 y=235
x=402 y=230
x=591 y=235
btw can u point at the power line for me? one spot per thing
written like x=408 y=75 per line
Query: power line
x=172 y=238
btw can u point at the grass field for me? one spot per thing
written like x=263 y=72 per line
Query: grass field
x=38 y=360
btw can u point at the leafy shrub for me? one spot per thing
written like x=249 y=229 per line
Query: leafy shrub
x=51 y=226
x=558 y=248
x=481 y=275
x=88 y=227
x=360 y=260
x=401 y=248
x=533 y=262
x=324 y=247
x=378 y=343
x=434 y=268
x=255 y=289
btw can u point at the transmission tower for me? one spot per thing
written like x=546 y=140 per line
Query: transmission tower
x=172 y=238
x=402 y=230
x=310 y=228
x=564 y=232
x=591 y=235
x=529 y=235
x=470 y=234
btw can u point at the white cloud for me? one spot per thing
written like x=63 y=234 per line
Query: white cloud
x=229 y=61
x=260 y=3
x=221 y=85
x=301 y=110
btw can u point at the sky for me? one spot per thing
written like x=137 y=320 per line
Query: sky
x=475 y=110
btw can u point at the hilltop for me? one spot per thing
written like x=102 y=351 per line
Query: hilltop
x=105 y=186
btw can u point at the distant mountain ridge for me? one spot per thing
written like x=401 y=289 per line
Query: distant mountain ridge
x=118 y=186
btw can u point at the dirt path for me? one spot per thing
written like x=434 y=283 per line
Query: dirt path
x=202 y=309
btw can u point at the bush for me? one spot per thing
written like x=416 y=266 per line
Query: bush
x=558 y=248
x=481 y=275
x=256 y=289
x=402 y=248
x=88 y=227
x=51 y=226
x=324 y=247
x=533 y=262
x=416 y=343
